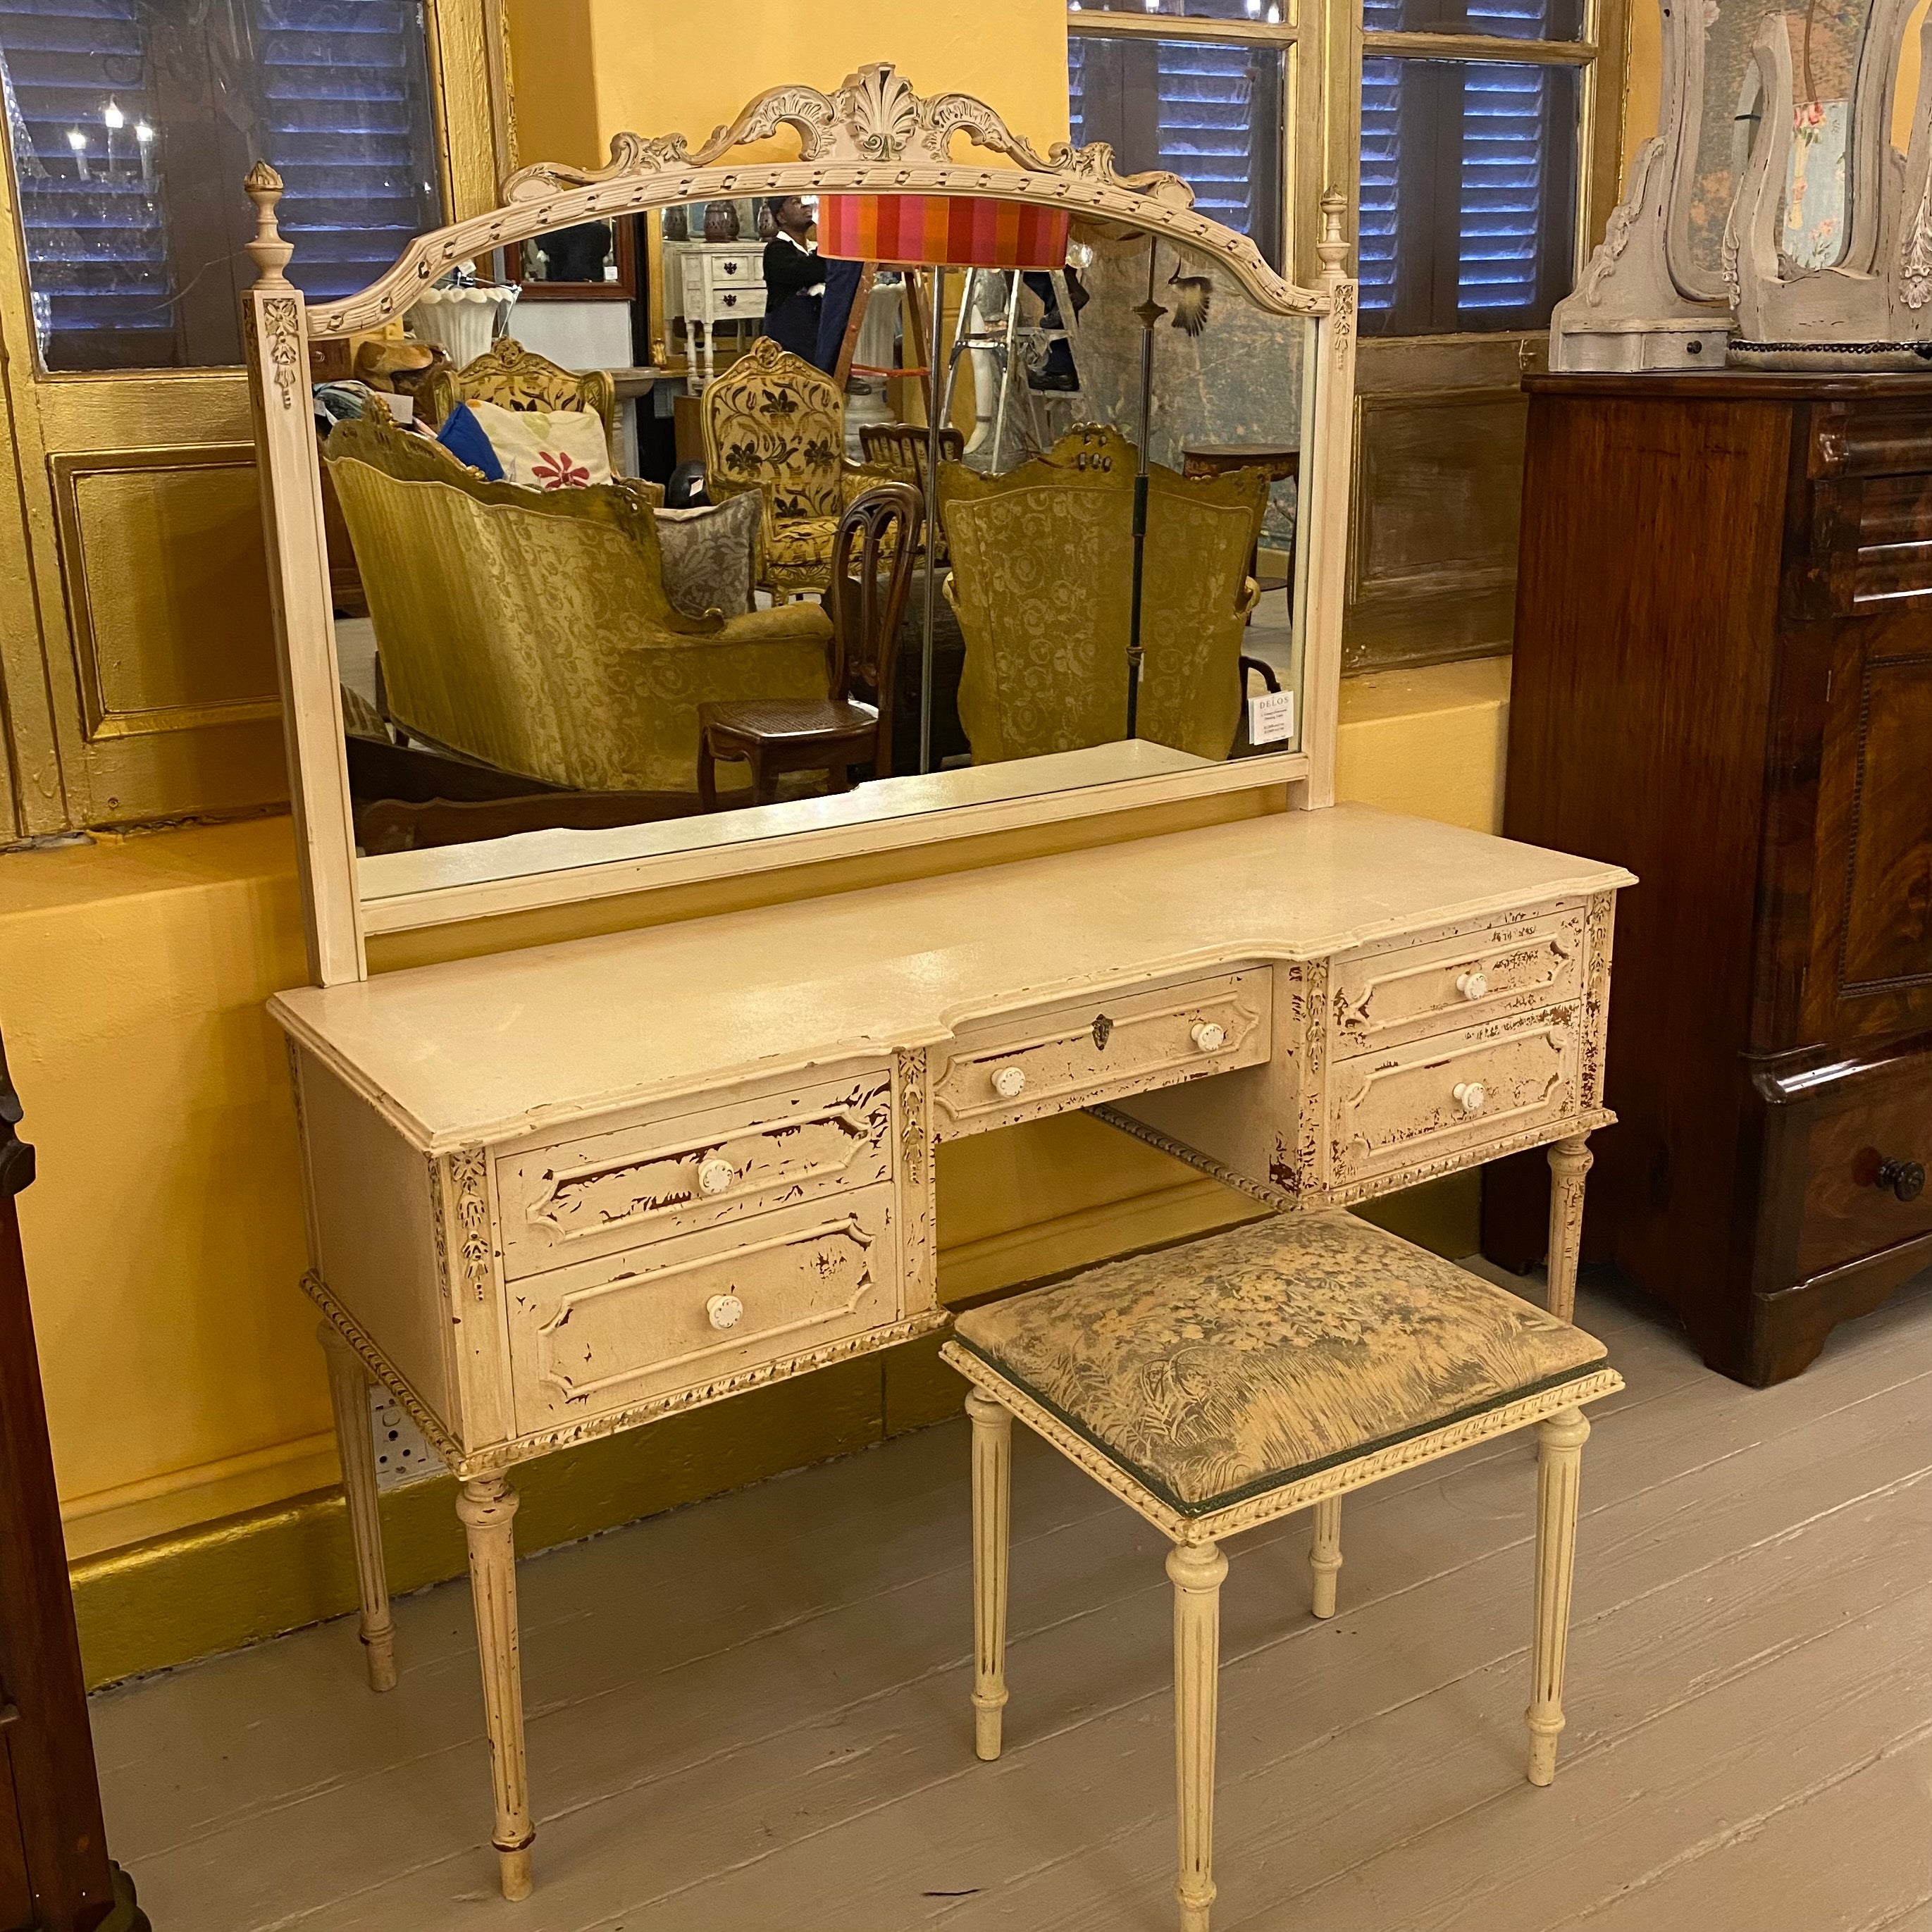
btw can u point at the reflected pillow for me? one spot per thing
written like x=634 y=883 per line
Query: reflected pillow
x=463 y=435
x=546 y=449
x=711 y=556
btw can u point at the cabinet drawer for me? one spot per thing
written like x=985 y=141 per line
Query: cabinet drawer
x=566 y=1203
x=742 y=268
x=1385 y=995
x=1023 y=1066
x=652 y=1320
x=1850 y=1143
x=1451 y=1094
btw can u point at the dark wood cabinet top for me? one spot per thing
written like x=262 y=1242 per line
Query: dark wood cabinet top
x=1736 y=386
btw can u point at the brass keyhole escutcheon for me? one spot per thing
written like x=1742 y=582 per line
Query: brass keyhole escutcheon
x=1103 y=1031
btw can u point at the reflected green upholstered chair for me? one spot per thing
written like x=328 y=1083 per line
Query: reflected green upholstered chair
x=1042 y=579
x=775 y=424
x=530 y=630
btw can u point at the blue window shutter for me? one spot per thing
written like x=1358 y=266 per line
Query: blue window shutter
x=1503 y=187
x=1378 y=219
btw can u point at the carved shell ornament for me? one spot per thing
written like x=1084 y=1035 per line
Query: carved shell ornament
x=873 y=134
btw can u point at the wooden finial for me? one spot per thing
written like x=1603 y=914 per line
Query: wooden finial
x=268 y=251
x=1333 y=248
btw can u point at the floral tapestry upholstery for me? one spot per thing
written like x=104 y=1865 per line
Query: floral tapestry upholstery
x=1042 y=578
x=774 y=424
x=532 y=631
x=1224 y=1367
x=513 y=377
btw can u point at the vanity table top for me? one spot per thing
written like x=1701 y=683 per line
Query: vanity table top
x=481 y=1050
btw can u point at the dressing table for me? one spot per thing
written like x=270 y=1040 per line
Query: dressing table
x=563 y=1191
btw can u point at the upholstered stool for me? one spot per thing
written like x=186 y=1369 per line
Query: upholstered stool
x=1218 y=1385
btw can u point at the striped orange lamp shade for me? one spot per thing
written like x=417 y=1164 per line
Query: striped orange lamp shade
x=916 y=231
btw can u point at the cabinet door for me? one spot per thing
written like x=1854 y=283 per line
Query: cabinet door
x=1871 y=965
x=17 y=1896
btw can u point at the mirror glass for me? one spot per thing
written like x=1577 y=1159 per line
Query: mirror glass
x=1826 y=41
x=599 y=587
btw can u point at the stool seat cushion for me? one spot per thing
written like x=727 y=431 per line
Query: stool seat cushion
x=1213 y=1371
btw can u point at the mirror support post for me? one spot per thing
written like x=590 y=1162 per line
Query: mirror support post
x=1150 y=312
x=933 y=350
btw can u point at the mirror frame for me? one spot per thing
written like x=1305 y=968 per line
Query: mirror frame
x=624 y=289
x=873 y=134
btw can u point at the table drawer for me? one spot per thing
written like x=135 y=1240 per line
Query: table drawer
x=652 y=1320
x=1455 y=1093
x=1023 y=1066
x=743 y=268
x=593 y=1195
x=1383 y=995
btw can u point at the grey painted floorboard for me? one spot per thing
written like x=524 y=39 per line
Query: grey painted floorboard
x=753 y=1713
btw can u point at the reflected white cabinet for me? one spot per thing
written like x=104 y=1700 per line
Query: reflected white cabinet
x=708 y=283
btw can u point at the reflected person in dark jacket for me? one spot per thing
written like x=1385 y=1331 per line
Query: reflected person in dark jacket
x=794 y=279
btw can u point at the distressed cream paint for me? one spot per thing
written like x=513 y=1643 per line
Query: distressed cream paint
x=187 y=1396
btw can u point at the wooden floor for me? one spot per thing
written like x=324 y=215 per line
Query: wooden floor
x=753 y=1713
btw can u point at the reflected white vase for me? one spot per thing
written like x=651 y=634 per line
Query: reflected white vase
x=462 y=322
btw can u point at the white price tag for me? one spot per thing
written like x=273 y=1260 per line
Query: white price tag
x=1271 y=717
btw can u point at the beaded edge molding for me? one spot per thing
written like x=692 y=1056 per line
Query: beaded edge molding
x=1274 y=1504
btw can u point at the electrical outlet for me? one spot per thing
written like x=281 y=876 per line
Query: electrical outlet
x=403 y=1454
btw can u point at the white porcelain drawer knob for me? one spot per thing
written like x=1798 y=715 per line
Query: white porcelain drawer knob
x=1472 y=985
x=724 y=1311
x=1209 y=1036
x=1008 y=1082
x=1469 y=1096
x=715 y=1175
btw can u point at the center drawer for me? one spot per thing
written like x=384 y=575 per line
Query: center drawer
x=1022 y=1065
x=1385 y=994
x=609 y=1334
x=593 y=1195
x=1451 y=1094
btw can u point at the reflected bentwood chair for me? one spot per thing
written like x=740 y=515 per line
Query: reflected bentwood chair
x=871 y=567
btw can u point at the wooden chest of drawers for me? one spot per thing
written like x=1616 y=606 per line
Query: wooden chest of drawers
x=1723 y=679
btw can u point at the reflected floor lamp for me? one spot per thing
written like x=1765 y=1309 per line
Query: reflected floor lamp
x=938 y=232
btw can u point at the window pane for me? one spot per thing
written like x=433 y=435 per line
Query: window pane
x=1268 y=11
x=131 y=123
x=1210 y=111
x=1515 y=20
x=1469 y=189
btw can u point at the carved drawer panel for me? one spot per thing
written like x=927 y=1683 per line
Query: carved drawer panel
x=1451 y=1093
x=1021 y=1066
x=566 y=1203
x=1384 y=995
x=608 y=1334
x=739 y=268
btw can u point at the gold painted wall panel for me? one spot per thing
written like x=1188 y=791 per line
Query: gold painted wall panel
x=167 y=588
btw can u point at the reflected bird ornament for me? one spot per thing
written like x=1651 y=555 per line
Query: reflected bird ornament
x=1192 y=296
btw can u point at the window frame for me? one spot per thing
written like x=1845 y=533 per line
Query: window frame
x=1599 y=57
x=1300 y=224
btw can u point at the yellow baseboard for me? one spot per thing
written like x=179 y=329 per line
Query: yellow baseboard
x=218 y=1585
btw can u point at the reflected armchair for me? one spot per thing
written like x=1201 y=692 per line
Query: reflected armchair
x=530 y=630
x=1042 y=578
x=513 y=377
x=775 y=424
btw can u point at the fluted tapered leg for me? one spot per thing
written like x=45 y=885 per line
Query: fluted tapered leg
x=1196 y=1570
x=1558 y=1469
x=349 y=1396
x=992 y=1486
x=1570 y=1163
x=1324 y=1556
x=487 y=1506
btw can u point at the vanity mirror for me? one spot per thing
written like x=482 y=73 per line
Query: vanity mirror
x=561 y=690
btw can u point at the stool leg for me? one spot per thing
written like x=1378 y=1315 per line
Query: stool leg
x=1324 y=1556
x=1196 y=1570
x=1558 y=1468
x=1569 y=1161
x=487 y=1505
x=992 y=1473
x=348 y=1396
